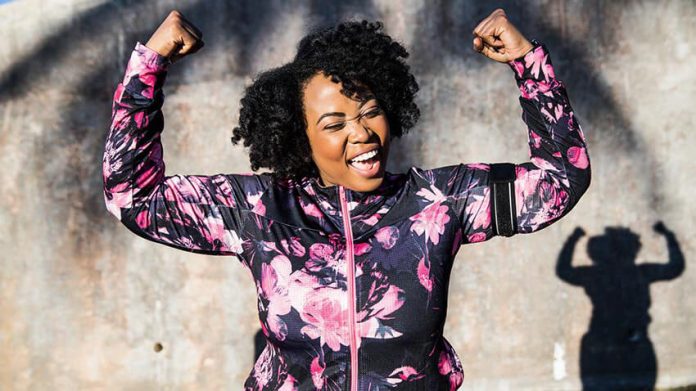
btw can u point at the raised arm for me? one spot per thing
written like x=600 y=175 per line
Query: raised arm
x=551 y=184
x=574 y=275
x=675 y=265
x=558 y=173
x=202 y=214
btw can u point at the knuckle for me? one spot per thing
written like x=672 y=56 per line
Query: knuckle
x=172 y=29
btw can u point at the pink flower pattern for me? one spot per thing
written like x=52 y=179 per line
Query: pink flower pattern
x=292 y=238
x=273 y=289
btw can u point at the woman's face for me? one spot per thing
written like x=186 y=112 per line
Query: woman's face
x=344 y=135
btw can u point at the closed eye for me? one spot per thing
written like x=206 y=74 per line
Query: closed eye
x=337 y=126
x=373 y=113
x=370 y=114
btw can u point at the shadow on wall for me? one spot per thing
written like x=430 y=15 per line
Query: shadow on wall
x=241 y=26
x=616 y=351
x=74 y=187
x=444 y=28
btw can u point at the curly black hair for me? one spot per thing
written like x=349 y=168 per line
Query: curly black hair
x=356 y=54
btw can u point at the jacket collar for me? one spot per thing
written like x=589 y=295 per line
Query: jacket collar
x=308 y=205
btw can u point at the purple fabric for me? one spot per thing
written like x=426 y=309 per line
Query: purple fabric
x=291 y=235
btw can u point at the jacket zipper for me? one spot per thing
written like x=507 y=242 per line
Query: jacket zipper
x=351 y=289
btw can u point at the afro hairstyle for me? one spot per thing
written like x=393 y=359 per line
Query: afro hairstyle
x=358 y=55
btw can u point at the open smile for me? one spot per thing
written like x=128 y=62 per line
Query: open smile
x=367 y=164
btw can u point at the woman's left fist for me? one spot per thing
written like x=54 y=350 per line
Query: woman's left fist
x=498 y=39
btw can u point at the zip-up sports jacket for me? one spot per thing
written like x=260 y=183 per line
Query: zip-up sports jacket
x=352 y=287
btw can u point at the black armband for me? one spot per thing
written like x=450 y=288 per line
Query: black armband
x=503 y=210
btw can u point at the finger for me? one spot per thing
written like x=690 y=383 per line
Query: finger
x=482 y=25
x=490 y=33
x=478 y=44
x=486 y=23
x=189 y=43
x=198 y=46
x=492 y=40
x=498 y=11
x=191 y=28
x=188 y=38
x=478 y=30
x=492 y=54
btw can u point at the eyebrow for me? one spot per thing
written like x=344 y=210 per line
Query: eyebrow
x=337 y=114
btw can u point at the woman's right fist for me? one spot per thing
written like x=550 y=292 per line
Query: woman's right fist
x=176 y=37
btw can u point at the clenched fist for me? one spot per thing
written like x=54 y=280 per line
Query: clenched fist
x=496 y=38
x=176 y=37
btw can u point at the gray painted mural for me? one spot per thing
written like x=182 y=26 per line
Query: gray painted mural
x=88 y=305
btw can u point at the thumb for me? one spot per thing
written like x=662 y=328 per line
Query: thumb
x=186 y=45
x=489 y=52
x=492 y=40
x=478 y=44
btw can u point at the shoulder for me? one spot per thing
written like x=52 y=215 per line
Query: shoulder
x=444 y=174
x=450 y=179
x=250 y=182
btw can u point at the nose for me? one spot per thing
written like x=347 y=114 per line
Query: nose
x=360 y=133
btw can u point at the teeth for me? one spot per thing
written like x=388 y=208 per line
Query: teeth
x=364 y=156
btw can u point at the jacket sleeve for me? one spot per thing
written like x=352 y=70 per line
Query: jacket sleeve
x=201 y=214
x=558 y=173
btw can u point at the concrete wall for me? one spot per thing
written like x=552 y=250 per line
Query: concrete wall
x=83 y=302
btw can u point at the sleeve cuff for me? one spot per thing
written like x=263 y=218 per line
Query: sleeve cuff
x=534 y=65
x=151 y=58
x=534 y=71
x=145 y=72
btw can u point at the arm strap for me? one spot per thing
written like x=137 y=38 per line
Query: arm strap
x=503 y=210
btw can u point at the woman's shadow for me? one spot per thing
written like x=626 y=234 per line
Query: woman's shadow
x=616 y=352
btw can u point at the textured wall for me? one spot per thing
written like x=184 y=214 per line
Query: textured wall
x=83 y=302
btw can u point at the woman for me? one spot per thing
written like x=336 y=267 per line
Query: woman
x=351 y=262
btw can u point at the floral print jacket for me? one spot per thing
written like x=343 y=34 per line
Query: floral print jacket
x=352 y=287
